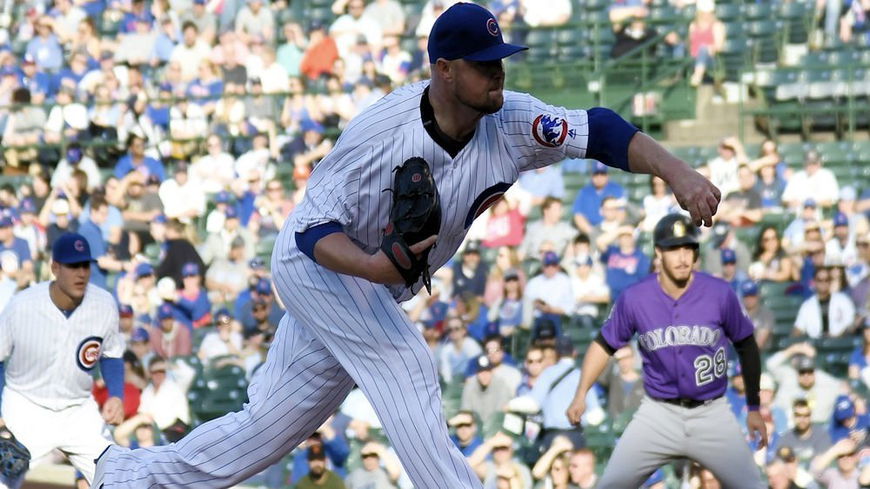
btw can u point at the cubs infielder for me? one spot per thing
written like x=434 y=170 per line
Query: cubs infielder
x=52 y=335
x=343 y=325
x=684 y=321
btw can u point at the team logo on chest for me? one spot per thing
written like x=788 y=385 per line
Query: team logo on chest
x=550 y=131
x=485 y=200
x=88 y=352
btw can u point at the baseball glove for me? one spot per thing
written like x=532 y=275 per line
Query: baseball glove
x=14 y=456
x=415 y=215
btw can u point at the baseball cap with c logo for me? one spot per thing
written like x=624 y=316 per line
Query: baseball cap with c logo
x=468 y=31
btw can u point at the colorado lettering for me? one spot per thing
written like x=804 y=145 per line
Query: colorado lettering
x=679 y=336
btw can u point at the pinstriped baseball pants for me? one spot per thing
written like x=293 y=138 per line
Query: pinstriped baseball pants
x=339 y=331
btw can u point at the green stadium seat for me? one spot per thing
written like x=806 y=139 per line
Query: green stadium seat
x=758 y=11
x=728 y=12
x=839 y=344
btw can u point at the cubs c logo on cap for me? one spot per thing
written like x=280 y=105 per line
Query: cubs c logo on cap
x=550 y=131
x=492 y=27
x=88 y=352
x=79 y=245
x=679 y=229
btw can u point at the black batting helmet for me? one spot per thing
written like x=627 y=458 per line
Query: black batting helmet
x=675 y=230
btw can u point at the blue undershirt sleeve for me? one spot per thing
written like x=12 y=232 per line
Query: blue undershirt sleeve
x=609 y=135
x=112 y=370
x=306 y=240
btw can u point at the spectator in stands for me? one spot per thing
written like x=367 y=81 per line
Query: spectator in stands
x=136 y=160
x=850 y=420
x=24 y=127
x=848 y=205
x=587 y=205
x=502 y=364
x=469 y=274
x=395 y=61
x=321 y=54
x=222 y=342
x=840 y=249
x=454 y=356
x=621 y=10
x=182 y=197
x=858 y=273
x=813 y=182
x=590 y=291
x=769 y=259
x=262 y=311
x=854 y=26
x=761 y=316
x=310 y=146
x=825 y=313
x=548 y=295
x=432 y=9
x=60 y=210
x=28 y=229
x=770 y=186
x=465 y=436
x=551 y=469
x=89 y=227
x=75 y=158
x=742 y=207
x=532 y=368
x=496 y=466
x=169 y=338
x=215 y=170
x=163 y=402
x=779 y=475
x=350 y=27
x=205 y=21
x=140 y=207
x=625 y=263
x=860 y=358
x=190 y=52
x=318 y=475
x=706 y=40
x=506 y=262
x=657 y=204
x=45 y=48
x=255 y=19
x=485 y=393
x=227 y=274
x=389 y=14
x=551 y=227
x=730 y=273
x=631 y=35
x=806 y=439
x=623 y=383
x=536 y=185
x=614 y=218
x=723 y=237
x=846 y=473
x=272 y=209
x=722 y=169
x=504 y=225
x=507 y=310
x=67 y=120
x=581 y=468
x=193 y=297
x=218 y=245
x=372 y=474
x=795 y=372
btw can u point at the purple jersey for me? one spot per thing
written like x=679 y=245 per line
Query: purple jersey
x=683 y=342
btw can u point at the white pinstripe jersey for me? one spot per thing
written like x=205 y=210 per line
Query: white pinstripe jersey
x=348 y=185
x=49 y=358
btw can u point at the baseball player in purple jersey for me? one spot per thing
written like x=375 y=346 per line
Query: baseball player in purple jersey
x=683 y=320
x=343 y=324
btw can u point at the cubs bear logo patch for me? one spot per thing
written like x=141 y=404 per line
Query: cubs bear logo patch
x=550 y=131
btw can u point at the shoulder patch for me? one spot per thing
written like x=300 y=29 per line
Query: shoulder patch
x=88 y=352
x=550 y=131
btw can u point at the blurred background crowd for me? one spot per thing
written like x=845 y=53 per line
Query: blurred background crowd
x=177 y=136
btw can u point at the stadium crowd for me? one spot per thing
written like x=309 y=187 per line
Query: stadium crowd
x=178 y=135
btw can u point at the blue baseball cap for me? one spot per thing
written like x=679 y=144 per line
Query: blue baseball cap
x=160 y=219
x=231 y=213
x=599 y=167
x=728 y=256
x=810 y=203
x=143 y=269
x=841 y=219
x=6 y=221
x=749 y=288
x=125 y=310
x=257 y=263
x=223 y=197
x=190 y=269
x=164 y=311
x=311 y=125
x=141 y=334
x=551 y=258
x=843 y=409
x=27 y=206
x=222 y=316
x=468 y=31
x=74 y=154
x=71 y=248
x=264 y=286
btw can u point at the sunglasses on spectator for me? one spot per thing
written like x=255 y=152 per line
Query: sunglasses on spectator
x=801 y=415
x=367 y=455
x=463 y=425
x=534 y=360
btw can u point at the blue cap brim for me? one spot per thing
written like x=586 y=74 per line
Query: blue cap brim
x=499 y=51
